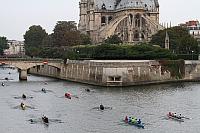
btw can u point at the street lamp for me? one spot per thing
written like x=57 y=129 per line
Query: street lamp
x=192 y=54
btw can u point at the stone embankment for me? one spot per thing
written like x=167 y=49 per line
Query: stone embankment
x=122 y=72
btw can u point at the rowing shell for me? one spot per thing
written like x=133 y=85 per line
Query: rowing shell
x=175 y=118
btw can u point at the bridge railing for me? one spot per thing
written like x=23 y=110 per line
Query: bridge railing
x=31 y=59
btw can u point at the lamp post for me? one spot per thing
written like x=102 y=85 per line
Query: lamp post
x=192 y=54
x=78 y=54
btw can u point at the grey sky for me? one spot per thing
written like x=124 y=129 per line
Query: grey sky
x=17 y=15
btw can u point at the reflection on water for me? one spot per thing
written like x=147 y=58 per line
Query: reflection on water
x=81 y=115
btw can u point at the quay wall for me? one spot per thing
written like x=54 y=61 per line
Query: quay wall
x=121 y=73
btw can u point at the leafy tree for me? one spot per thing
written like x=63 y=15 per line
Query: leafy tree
x=34 y=40
x=181 y=42
x=3 y=44
x=66 y=34
x=85 y=39
x=113 y=51
x=48 y=41
x=114 y=39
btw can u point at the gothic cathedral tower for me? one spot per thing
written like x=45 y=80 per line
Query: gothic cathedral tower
x=132 y=20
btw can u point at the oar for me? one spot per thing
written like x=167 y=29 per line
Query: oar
x=186 y=117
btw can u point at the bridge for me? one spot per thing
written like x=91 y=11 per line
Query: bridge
x=23 y=64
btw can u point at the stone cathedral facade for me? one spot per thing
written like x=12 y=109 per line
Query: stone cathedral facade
x=132 y=20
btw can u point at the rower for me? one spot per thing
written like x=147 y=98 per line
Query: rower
x=31 y=120
x=139 y=121
x=133 y=120
x=129 y=119
x=175 y=115
x=170 y=114
x=179 y=117
x=101 y=107
x=45 y=119
x=88 y=90
x=126 y=119
x=67 y=95
x=23 y=96
x=22 y=106
x=43 y=90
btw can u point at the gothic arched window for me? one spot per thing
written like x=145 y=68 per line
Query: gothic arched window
x=103 y=20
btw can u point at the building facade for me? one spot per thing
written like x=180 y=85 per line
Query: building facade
x=16 y=48
x=193 y=28
x=132 y=20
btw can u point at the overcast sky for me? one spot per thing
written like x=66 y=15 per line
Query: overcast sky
x=17 y=15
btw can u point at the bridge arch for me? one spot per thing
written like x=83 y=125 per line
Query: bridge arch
x=24 y=66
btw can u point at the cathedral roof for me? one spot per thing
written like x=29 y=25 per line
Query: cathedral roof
x=109 y=4
x=119 y=4
x=148 y=4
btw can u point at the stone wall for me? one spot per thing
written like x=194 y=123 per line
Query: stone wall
x=108 y=73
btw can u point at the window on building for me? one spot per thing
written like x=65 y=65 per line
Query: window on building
x=103 y=20
x=109 y=18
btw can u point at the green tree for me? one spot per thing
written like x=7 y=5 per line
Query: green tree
x=85 y=39
x=181 y=42
x=113 y=51
x=34 y=40
x=48 y=41
x=66 y=34
x=3 y=44
x=114 y=39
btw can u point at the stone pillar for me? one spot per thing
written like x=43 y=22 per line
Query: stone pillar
x=23 y=74
x=140 y=32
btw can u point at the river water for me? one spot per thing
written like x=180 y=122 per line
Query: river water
x=79 y=115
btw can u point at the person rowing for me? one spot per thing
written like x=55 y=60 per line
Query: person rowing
x=22 y=106
x=139 y=121
x=134 y=120
x=45 y=119
x=170 y=114
x=174 y=115
x=68 y=95
x=126 y=119
x=101 y=107
x=23 y=96
x=88 y=90
x=179 y=117
x=44 y=90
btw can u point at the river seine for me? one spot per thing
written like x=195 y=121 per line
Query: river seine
x=80 y=114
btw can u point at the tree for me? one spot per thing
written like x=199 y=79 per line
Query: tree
x=66 y=34
x=48 y=41
x=85 y=39
x=181 y=42
x=3 y=44
x=114 y=39
x=34 y=40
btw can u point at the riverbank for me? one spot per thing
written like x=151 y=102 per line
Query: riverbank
x=122 y=72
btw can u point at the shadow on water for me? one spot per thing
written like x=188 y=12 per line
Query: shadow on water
x=40 y=121
x=20 y=97
x=99 y=109
x=150 y=88
x=26 y=107
x=43 y=91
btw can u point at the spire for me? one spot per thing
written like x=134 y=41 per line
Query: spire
x=166 y=40
x=156 y=3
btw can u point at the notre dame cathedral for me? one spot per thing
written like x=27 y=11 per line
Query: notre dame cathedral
x=132 y=20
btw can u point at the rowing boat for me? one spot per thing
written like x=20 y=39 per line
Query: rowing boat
x=175 y=118
x=141 y=125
